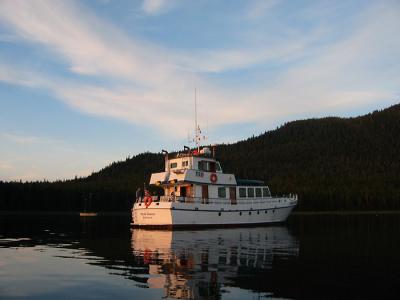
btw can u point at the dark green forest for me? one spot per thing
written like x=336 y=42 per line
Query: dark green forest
x=331 y=163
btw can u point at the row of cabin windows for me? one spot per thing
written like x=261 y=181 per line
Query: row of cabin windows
x=207 y=166
x=175 y=165
x=251 y=192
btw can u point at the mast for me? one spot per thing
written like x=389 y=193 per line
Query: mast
x=197 y=131
x=196 y=126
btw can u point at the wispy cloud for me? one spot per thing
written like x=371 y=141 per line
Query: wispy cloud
x=27 y=139
x=22 y=158
x=259 y=8
x=155 y=7
x=337 y=73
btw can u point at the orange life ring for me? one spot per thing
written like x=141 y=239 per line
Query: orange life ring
x=213 y=178
x=147 y=201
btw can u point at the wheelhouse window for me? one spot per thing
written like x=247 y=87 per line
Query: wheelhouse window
x=218 y=167
x=211 y=166
x=203 y=165
x=242 y=192
x=258 y=192
x=185 y=163
x=250 y=192
x=266 y=192
x=221 y=192
x=173 y=165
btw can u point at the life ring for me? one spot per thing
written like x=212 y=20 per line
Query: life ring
x=213 y=178
x=147 y=201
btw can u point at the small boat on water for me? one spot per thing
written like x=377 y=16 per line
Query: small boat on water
x=198 y=193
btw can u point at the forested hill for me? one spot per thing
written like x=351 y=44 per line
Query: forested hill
x=332 y=163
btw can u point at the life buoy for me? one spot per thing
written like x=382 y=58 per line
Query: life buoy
x=213 y=178
x=147 y=201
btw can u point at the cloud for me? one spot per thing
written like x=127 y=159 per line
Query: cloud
x=90 y=47
x=259 y=8
x=30 y=157
x=27 y=139
x=156 y=7
x=151 y=85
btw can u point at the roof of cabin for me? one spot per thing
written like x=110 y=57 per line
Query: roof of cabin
x=249 y=182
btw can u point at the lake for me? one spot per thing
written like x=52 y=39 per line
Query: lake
x=309 y=257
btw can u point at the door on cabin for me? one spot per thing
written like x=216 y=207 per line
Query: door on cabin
x=183 y=191
x=232 y=195
x=204 y=194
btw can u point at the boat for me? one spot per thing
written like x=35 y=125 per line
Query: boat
x=196 y=192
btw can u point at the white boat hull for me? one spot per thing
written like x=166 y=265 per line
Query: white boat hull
x=172 y=214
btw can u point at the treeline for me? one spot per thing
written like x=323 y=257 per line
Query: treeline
x=111 y=189
x=331 y=163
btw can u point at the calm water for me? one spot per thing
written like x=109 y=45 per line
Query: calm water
x=311 y=257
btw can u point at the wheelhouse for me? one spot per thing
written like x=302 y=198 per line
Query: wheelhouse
x=197 y=176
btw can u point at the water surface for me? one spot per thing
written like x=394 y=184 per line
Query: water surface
x=310 y=257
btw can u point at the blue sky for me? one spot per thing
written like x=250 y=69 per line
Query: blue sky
x=86 y=83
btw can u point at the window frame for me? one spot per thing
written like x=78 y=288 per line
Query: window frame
x=250 y=195
x=266 y=194
x=245 y=192
x=221 y=194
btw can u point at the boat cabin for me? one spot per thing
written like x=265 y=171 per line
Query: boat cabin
x=193 y=176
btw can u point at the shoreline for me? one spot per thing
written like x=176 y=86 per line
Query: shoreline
x=127 y=213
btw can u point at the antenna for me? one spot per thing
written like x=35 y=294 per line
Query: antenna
x=195 y=112
x=197 y=131
x=196 y=126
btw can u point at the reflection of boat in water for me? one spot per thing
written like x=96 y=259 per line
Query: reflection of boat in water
x=195 y=264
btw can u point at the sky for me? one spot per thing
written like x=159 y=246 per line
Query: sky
x=86 y=83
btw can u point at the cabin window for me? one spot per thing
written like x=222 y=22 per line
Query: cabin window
x=258 y=192
x=212 y=166
x=242 y=192
x=266 y=192
x=185 y=163
x=173 y=165
x=218 y=167
x=221 y=192
x=250 y=192
x=203 y=165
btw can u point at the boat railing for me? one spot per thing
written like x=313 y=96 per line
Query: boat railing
x=199 y=200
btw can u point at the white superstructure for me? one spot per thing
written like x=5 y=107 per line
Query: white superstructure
x=197 y=192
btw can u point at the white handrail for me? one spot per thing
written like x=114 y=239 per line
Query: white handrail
x=199 y=200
